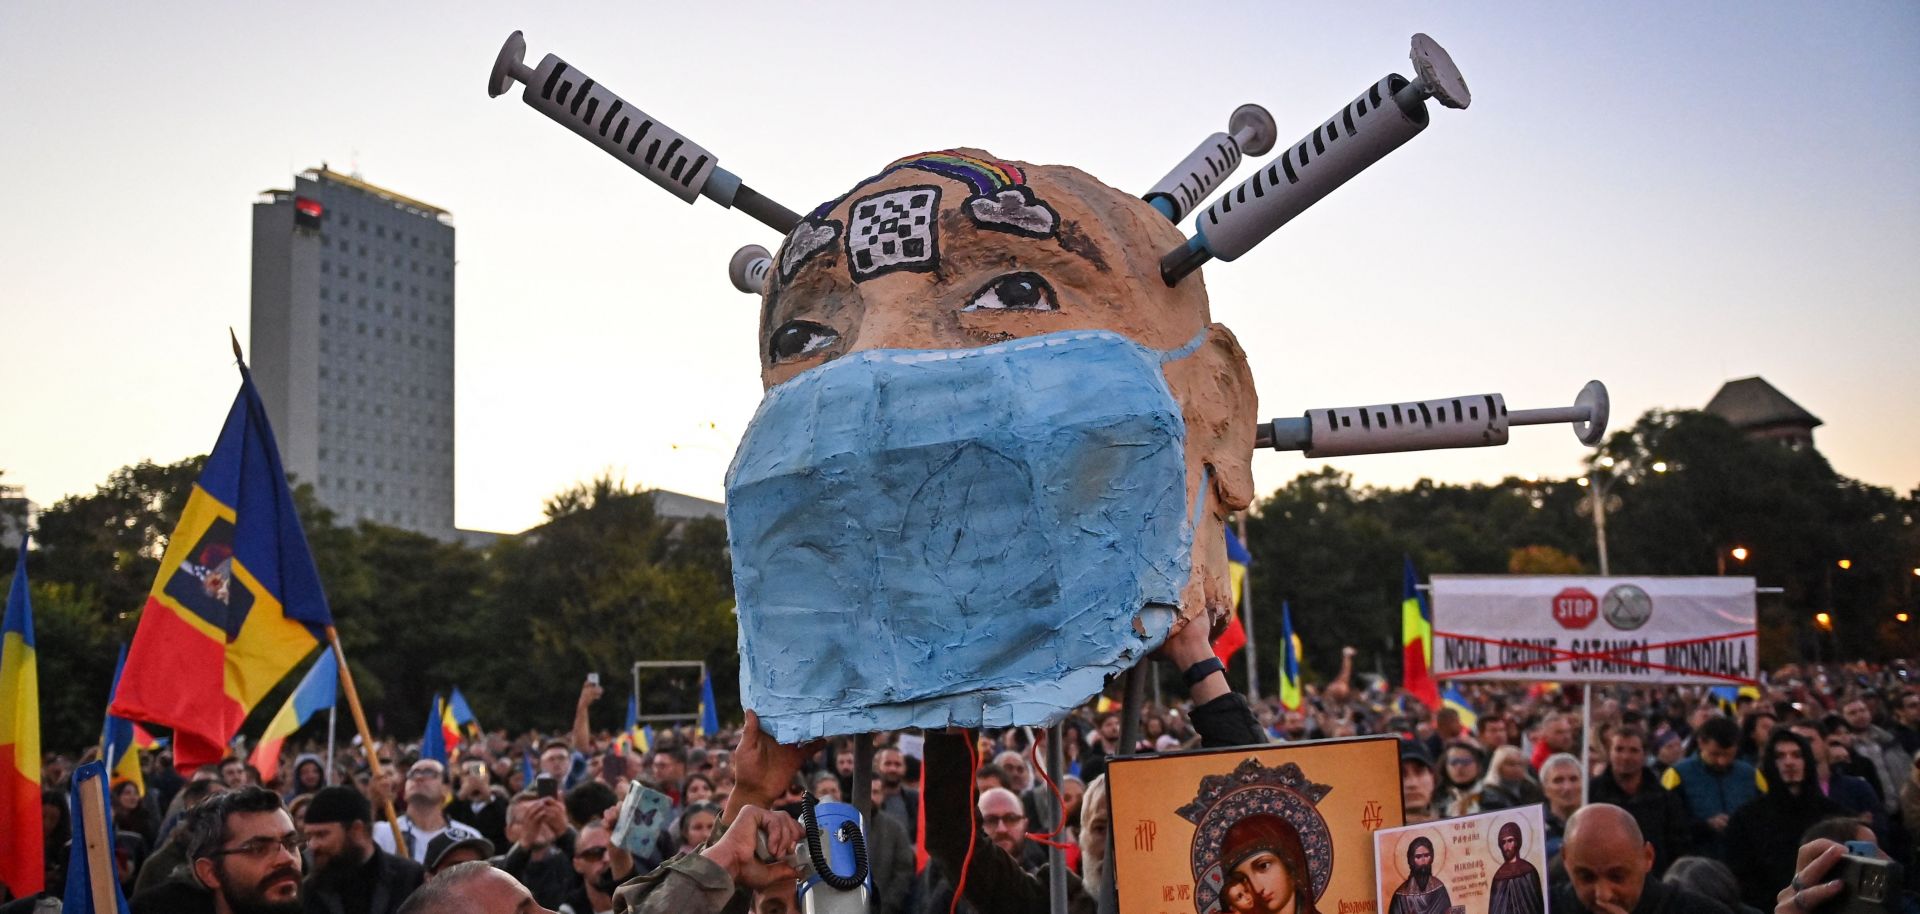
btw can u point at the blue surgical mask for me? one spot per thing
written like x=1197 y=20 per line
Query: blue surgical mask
x=932 y=538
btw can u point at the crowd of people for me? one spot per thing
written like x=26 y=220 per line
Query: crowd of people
x=1684 y=800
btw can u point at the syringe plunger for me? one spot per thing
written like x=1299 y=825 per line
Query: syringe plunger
x=1250 y=132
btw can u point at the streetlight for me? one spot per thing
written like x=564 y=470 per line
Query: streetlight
x=1739 y=554
x=1824 y=620
x=1845 y=564
x=1600 y=499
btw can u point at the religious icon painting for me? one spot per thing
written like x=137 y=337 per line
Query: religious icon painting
x=1248 y=829
x=1492 y=863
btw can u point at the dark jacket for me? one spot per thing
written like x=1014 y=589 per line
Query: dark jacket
x=172 y=896
x=549 y=877
x=1710 y=793
x=1661 y=813
x=490 y=820
x=377 y=886
x=1656 y=898
x=1765 y=834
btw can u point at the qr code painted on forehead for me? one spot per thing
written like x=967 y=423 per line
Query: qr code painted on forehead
x=894 y=230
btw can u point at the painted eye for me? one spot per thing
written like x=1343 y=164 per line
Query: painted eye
x=1014 y=292
x=799 y=338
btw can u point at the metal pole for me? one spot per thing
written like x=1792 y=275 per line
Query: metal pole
x=332 y=710
x=1586 y=737
x=1056 y=858
x=1600 y=523
x=1246 y=622
x=1130 y=712
x=863 y=776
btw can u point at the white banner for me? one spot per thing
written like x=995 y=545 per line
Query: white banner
x=1591 y=629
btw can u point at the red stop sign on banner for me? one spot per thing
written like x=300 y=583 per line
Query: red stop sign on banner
x=1575 y=607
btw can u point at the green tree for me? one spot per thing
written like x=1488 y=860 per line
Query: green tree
x=603 y=583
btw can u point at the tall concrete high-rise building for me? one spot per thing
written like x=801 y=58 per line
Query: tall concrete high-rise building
x=352 y=350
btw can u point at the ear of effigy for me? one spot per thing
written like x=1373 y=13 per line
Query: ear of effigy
x=1386 y=115
x=1480 y=420
x=668 y=158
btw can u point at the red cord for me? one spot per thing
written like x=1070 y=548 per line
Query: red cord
x=973 y=826
x=1059 y=802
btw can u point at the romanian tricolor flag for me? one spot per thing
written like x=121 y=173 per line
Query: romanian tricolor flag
x=463 y=714
x=1289 y=660
x=1469 y=716
x=641 y=738
x=449 y=728
x=1234 y=637
x=1416 y=640
x=117 y=741
x=237 y=603
x=22 y=862
x=317 y=692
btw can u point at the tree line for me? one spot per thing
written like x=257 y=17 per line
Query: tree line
x=605 y=581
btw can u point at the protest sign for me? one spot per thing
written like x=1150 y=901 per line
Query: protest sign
x=1594 y=629
x=1492 y=863
x=1247 y=828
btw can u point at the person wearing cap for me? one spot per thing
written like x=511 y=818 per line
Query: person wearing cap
x=452 y=850
x=1416 y=783
x=351 y=874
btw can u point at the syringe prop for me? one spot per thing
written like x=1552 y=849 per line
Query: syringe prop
x=1250 y=132
x=1376 y=123
x=1480 y=420
x=749 y=268
x=681 y=166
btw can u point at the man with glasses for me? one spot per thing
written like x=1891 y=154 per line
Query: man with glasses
x=350 y=874
x=594 y=892
x=426 y=816
x=244 y=850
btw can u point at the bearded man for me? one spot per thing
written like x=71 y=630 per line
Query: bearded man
x=1421 y=892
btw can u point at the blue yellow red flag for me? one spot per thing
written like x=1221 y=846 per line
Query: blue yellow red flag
x=78 y=896
x=1416 y=641
x=463 y=713
x=117 y=742
x=237 y=603
x=449 y=728
x=22 y=862
x=1290 y=696
x=1234 y=636
x=316 y=692
x=1469 y=716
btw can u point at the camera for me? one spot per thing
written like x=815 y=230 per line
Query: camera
x=1870 y=885
x=546 y=786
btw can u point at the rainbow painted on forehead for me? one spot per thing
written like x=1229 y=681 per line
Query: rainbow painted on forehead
x=985 y=176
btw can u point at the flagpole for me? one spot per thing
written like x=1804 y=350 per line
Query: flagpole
x=327 y=778
x=97 y=838
x=1246 y=620
x=366 y=737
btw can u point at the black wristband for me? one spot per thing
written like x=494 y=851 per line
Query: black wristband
x=1203 y=669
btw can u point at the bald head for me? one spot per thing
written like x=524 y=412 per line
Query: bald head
x=1606 y=856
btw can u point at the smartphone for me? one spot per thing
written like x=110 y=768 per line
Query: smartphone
x=593 y=678
x=643 y=818
x=546 y=786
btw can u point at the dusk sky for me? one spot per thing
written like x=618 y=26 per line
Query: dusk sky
x=1661 y=196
